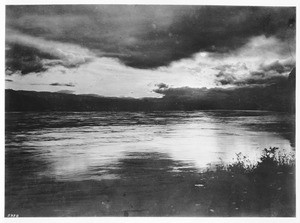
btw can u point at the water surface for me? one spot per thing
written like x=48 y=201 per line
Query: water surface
x=73 y=149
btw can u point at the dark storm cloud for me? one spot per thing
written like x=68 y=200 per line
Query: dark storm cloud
x=24 y=59
x=162 y=85
x=224 y=78
x=255 y=78
x=181 y=92
x=56 y=84
x=27 y=54
x=150 y=36
x=28 y=58
x=258 y=74
x=61 y=84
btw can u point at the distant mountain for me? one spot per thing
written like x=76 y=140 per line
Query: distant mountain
x=47 y=101
x=275 y=97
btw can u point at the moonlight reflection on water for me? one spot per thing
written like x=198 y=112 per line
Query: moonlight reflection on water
x=67 y=151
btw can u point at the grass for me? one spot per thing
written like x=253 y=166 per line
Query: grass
x=263 y=189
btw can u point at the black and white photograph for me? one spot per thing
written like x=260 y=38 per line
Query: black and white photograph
x=149 y=110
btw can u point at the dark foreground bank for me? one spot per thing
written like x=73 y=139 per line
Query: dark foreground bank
x=168 y=189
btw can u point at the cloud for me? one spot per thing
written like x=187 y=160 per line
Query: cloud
x=182 y=92
x=254 y=78
x=259 y=60
x=224 y=78
x=61 y=84
x=278 y=66
x=277 y=96
x=162 y=86
x=109 y=77
x=127 y=50
x=149 y=36
x=104 y=76
x=28 y=54
x=23 y=59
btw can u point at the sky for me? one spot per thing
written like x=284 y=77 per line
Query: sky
x=142 y=50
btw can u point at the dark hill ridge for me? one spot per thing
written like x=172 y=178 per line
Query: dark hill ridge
x=47 y=101
x=275 y=97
